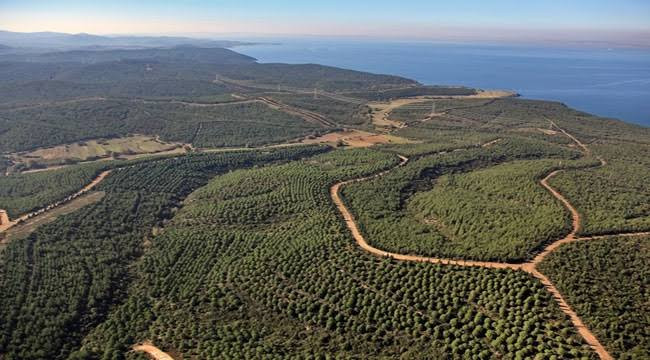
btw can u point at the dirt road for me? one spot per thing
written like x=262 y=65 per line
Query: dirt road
x=152 y=351
x=529 y=267
x=309 y=116
x=6 y=223
x=361 y=241
x=4 y=218
x=381 y=111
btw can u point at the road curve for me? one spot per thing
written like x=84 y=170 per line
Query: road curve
x=361 y=241
x=529 y=267
x=152 y=351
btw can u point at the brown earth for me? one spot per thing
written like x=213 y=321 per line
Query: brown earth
x=381 y=110
x=356 y=138
x=152 y=351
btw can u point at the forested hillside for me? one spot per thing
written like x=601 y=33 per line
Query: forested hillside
x=46 y=316
x=422 y=222
x=617 y=309
x=280 y=280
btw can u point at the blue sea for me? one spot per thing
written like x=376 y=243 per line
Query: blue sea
x=607 y=82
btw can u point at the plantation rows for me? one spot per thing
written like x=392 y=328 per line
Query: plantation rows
x=511 y=114
x=492 y=213
x=607 y=282
x=440 y=140
x=419 y=111
x=402 y=92
x=613 y=198
x=340 y=112
x=285 y=280
x=22 y=193
x=63 y=279
x=476 y=216
x=203 y=126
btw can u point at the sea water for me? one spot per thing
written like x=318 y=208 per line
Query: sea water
x=602 y=81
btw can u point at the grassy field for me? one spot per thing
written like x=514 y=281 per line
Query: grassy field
x=93 y=150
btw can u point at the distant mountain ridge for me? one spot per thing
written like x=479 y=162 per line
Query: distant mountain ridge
x=181 y=53
x=52 y=40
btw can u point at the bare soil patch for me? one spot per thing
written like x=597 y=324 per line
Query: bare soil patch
x=356 y=138
x=381 y=111
x=548 y=131
x=152 y=351
x=125 y=147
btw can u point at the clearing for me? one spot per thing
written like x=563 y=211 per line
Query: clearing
x=382 y=110
x=125 y=147
x=356 y=138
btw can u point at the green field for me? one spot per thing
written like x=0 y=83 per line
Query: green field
x=90 y=150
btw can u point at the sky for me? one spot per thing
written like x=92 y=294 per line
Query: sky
x=527 y=20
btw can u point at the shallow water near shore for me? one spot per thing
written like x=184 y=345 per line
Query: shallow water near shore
x=606 y=82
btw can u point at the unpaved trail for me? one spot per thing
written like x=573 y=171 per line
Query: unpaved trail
x=26 y=227
x=575 y=220
x=529 y=267
x=381 y=111
x=361 y=241
x=309 y=116
x=582 y=329
x=152 y=351
x=4 y=218
x=4 y=226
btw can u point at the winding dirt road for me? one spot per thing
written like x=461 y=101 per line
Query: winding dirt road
x=530 y=267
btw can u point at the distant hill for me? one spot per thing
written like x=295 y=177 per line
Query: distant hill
x=53 y=40
x=175 y=54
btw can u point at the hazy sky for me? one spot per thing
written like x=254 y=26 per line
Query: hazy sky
x=589 y=20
